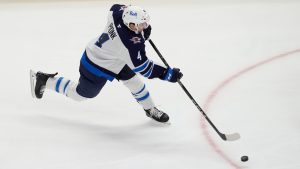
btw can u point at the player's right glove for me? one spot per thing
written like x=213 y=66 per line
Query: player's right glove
x=172 y=75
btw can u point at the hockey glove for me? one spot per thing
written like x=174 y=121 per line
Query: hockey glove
x=147 y=32
x=173 y=75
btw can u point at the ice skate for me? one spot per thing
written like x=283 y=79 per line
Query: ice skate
x=157 y=115
x=38 y=83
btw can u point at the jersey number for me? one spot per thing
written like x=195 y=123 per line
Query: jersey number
x=139 y=56
x=102 y=39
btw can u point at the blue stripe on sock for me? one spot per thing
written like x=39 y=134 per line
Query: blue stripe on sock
x=66 y=86
x=58 y=84
x=140 y=90
x=144 y=97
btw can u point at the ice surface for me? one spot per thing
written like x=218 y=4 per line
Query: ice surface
x=210 y=42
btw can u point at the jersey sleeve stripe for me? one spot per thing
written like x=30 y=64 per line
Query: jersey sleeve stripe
x=146 y=67
x=142 y=66
x=148 y=74
x=143 y=72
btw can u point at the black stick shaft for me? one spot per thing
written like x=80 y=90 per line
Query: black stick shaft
x=188 y=93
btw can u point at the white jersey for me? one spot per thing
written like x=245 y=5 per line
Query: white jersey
x=107 y=50
x=116 y=47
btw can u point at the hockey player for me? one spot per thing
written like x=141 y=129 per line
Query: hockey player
x=118 y=53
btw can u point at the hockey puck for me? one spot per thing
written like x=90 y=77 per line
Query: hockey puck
x=244 y=158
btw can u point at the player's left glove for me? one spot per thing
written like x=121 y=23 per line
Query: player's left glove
x=172 y=75
x=147 y=32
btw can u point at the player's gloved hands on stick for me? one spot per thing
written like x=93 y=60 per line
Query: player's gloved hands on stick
x=173 y=75
x=147 y=32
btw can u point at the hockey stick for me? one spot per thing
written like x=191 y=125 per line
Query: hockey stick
x=226 y=137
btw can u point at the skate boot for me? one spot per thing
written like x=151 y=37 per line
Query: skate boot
x=157 y=115
x=38 y=83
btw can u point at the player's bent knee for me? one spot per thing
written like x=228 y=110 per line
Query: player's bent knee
x=87 y=93
x=88 y=88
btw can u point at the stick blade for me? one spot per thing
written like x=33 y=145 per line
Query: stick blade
x=32 y=82
x=232 y=137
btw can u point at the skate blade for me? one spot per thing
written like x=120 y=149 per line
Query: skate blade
x=168 y=123
x=32 y=82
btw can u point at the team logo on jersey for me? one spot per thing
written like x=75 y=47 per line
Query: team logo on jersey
x=136 y=40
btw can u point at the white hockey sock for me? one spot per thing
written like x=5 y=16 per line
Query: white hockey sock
x=65 y=87
x=139 y=92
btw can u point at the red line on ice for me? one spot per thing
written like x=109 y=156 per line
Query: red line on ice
x=215 y=92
